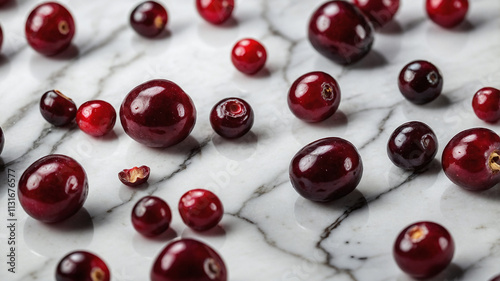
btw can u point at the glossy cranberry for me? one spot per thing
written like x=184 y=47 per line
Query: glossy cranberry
x=53 y=188
x=158 y=113
x=423 y=249
x=496 y=278
x=412 y=146
x=420 y=82
x=215 y=11
x=188 y=259
x=96 y=118
x=151 y=216
x=326 y=169
x=314 y=96
x=339 y=31
x=379 y=12
x=248 y=56
x=149 y=18
x=57 y=109
x=231 y=118
x=486 y=104
x=82 y=266
x=50 y=28
x=135 y=176
x=472 y=159
x=2 y=140
x=447 y=13
x=200 y=209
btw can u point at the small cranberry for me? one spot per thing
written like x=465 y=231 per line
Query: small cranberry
x=96 y=118
x=231 y=118
x=2 y=140
x=57 y=109
x=447 y=13
x=486 y=104
x=248 y=56
x=200 y=209
x=149 y=18
x=379 y=12
x=215 y=11
x=50 y=28
x=188 y=259
x=135 y=176
x=420 y=82
x=82 y=266
x=151 y=216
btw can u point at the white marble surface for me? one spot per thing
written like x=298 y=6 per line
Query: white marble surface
x=268 y=232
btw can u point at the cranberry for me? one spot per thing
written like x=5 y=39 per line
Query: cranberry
x=486 y=104
x=50 y=28
x=423 y=249
x=314 y=96
x=96 y=118
x=215 y=11
x=231 y=118
x=447 y=13
x=326 y=169
x=135 y=176
x=1 y=36
x=339 y=31
x=151 y=216
x=420 y=82
x=53 y=188
x=472 y=159
x=248 y=56
x=188 y=259
x=412 y=146
x=2 y=140
x=82 y=266
x=57 y=109
x=158 y=113
x=379 y=12
x=149 y=18
x=496 y=278
x=200 y=209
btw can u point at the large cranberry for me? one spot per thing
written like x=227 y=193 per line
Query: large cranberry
x=486 y=104
x=379 y=12
x=158 y=113
x=447 y=13
x=82 y=266
x=57 y=109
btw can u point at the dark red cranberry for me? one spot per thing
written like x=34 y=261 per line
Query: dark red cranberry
x=447 y=13
x=379 y=12
x=188 y=259
x=200 y=209
x=135 y=176
x=314 y=96
x=96 y=118
x=231 y=118
x=53 y=188
x=496 y=278
x=50 y=28
x=248 y=56
x=420 y=82
x=2 y=140
x=151 y=216
x=412 y=146
x=215 y=11
x=423 y=249
x=149 y=18
x=158 y=113
x=326 y=169
x=486 y=104
x=339 y=31
x=472 y=159
x=57 y=109
x=82 y=266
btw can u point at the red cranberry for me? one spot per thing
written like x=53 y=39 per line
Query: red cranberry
x=496 y=278
x=96 y=118
x=339 y=31
x=420 y=82
x=248 y=56
x=2 y=140
x=412 y=146
x=57 y=109
x=135 y=176
x=231 y=118
x=423 y=249
x=486 y=104
x=314 y=96
x=472 y=159
x=82 y=266
x=188 y=259
x=50 y=28
x=215 y=11
x=200 y=209
x=158 y=113
x=379 y=12
x=326 y=169
x=447 y=13
x=53 y=188
x=149 y=18
x=151 y=216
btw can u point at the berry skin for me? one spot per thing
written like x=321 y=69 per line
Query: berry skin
x=200 y=209
x=486 y=104
x=248 y=56
x=423 y=249
x=82 y=266
x=420 y=82
x=379 y=12
x=215 y=11
x=53 y=188
x=188 y=259
x=149 y=19
x=135 y=176
x=96 y=118
x=57 y=109
x=151 y=216
x=158 y=113
x=231 y=118
x=2 y=140
x=50 y=28
x=314 y=96
x=326 y=169
x=447 y=13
